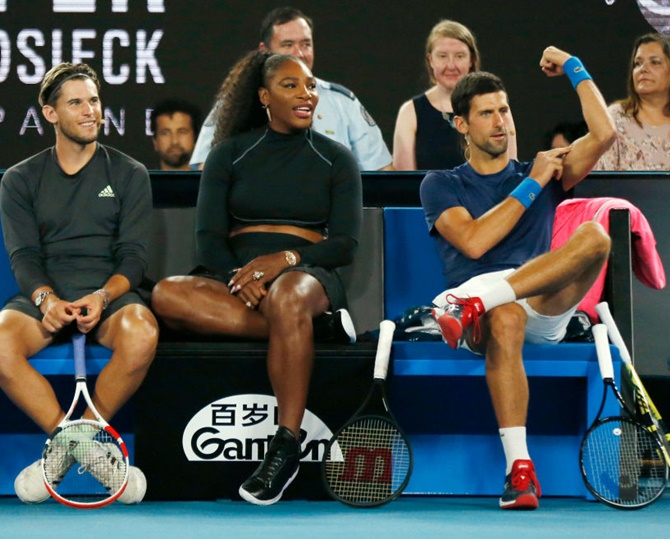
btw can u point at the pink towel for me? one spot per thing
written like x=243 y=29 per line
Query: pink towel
x=647 y=264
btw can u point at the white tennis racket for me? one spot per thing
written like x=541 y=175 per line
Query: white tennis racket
x=84 y=462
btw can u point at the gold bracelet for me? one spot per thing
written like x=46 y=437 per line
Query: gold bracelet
x=290 y=258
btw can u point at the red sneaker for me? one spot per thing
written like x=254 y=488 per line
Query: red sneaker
x=522 y=488
x=460 y=313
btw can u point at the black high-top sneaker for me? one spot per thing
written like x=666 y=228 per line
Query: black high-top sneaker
x=279 y=467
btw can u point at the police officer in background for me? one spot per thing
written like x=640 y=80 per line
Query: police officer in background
x=339 y=116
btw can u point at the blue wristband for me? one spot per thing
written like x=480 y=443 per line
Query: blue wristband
x=526 y=192
x=575 y=71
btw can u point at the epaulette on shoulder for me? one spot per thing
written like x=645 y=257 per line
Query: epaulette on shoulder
x=342 y=90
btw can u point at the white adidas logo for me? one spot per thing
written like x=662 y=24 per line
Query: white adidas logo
x=107 y=192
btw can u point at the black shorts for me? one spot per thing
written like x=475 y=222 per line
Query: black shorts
x=24 y=305
x=248 y=246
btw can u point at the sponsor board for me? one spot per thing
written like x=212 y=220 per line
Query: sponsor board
x=240 y=427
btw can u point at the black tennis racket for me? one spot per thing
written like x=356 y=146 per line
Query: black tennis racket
x=84 y=462
x=646 y=411
x=368 y=462
x=622 y=462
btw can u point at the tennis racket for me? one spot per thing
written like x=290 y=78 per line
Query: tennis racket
x=647 y=413
x=84 y=462
x=621 y=461
x=368 y=462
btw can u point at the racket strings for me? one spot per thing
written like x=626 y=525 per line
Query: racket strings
x=623 y=463
x=370 y=462
x=57 y=463
x=84 y=463
x=647 y=414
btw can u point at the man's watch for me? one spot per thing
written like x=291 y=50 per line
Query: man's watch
x=41 y=297
x=290 y=257
x=104 y=294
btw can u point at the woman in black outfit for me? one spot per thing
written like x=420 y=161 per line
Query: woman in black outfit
x=424 y=136
x=279 y=208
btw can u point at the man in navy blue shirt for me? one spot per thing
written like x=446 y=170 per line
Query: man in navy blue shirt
x=492 y=219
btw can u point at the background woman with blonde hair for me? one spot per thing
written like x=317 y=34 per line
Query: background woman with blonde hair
x=424 y=136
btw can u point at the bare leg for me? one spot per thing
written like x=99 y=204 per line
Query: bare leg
x=205 y=306
x=557 y=281
x=293 y=300
x=22 y=337
x=503 y=331
x=553 y=283
x=132 y=334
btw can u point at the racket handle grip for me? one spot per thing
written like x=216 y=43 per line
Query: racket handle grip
x=79 y=348
x=606 y=318
x=603 y=351
x=386 y=329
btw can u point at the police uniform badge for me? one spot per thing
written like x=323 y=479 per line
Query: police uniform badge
x=367 y=117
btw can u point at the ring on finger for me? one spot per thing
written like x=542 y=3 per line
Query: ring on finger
x=249 y=304
x=257 y=275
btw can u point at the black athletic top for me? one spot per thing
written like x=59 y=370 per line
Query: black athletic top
x=267 y=178
x=437 y=142
x=73 y=232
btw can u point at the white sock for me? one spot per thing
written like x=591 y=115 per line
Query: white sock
x=514 y=444
x=496 y=294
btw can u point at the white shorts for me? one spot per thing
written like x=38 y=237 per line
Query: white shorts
x=540 y=329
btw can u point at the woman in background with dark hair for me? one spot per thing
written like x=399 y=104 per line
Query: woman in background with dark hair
x=424 y=136
x=563 y=134
x=279 y=208
x=642 y=119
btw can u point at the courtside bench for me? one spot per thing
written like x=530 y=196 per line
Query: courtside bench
x=211 y=369
x=172 y=252
x=435 y=390
x=439 y=395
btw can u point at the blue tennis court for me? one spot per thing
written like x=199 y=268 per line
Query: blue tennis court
x=424 y=517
